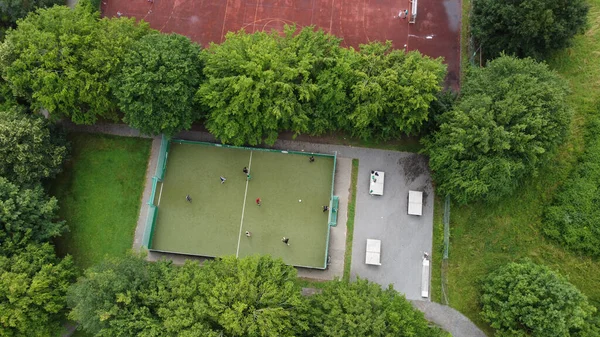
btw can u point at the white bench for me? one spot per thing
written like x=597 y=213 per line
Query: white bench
x=415 y=203
x=377 y=180
x=373 y=255
x=425 y=278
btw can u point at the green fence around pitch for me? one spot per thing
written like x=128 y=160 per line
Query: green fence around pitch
x=161 y=169
x=159 y=174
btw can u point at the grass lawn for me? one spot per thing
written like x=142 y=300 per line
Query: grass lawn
x=404 y=144
x=99 y=194
x=484 y=237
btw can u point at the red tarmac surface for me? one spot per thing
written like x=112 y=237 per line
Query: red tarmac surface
x=436 y=31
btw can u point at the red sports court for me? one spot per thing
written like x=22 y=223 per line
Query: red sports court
x=432 y=26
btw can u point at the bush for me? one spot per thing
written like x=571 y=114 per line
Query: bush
x=526 y=28
x=511 y=117
x=573 y=218
x=31 y=149
x=526 y=299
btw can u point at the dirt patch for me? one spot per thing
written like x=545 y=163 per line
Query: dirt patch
x=414 y=166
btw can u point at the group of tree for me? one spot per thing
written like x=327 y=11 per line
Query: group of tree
x=61 y=60
x=260 y=84
x=33 y=280
x=511 y=116
x=247 y=89
x=252 y=296
x=527 y=299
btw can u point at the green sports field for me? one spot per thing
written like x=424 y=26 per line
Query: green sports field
x=214 y=223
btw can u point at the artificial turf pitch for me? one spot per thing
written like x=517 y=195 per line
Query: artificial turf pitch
x=215 y=222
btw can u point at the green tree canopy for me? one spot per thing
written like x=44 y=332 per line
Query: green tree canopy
x=31 y=149
x=33 y=285
x=511 y=116
x=263 y=83
x=120 y=297
x=156 y=87
x=62 y=59
x=254 y=296
x=250 y=297
x=391 y=90
x=12 y=10
x=526 y=28
x=259 y=84
x=26 y=216
x=526 y=299
x=363 y=308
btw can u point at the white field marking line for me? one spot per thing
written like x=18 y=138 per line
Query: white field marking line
x=237 y=252
x=160 y=193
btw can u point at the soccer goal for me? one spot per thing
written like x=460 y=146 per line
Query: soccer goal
x=413 y=12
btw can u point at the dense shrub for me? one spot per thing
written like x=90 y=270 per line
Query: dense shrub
x=526 y=299
x=573 y=218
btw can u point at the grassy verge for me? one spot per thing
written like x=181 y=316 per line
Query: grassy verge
x=404 y=144
x=99 y=195
x=484 y=237
x=310 y=283
x=350 y=222
x=438 y=249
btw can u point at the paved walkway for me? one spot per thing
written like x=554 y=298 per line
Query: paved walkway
x=446 y=317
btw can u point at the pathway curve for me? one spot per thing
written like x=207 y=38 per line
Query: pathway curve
x=447 y=318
